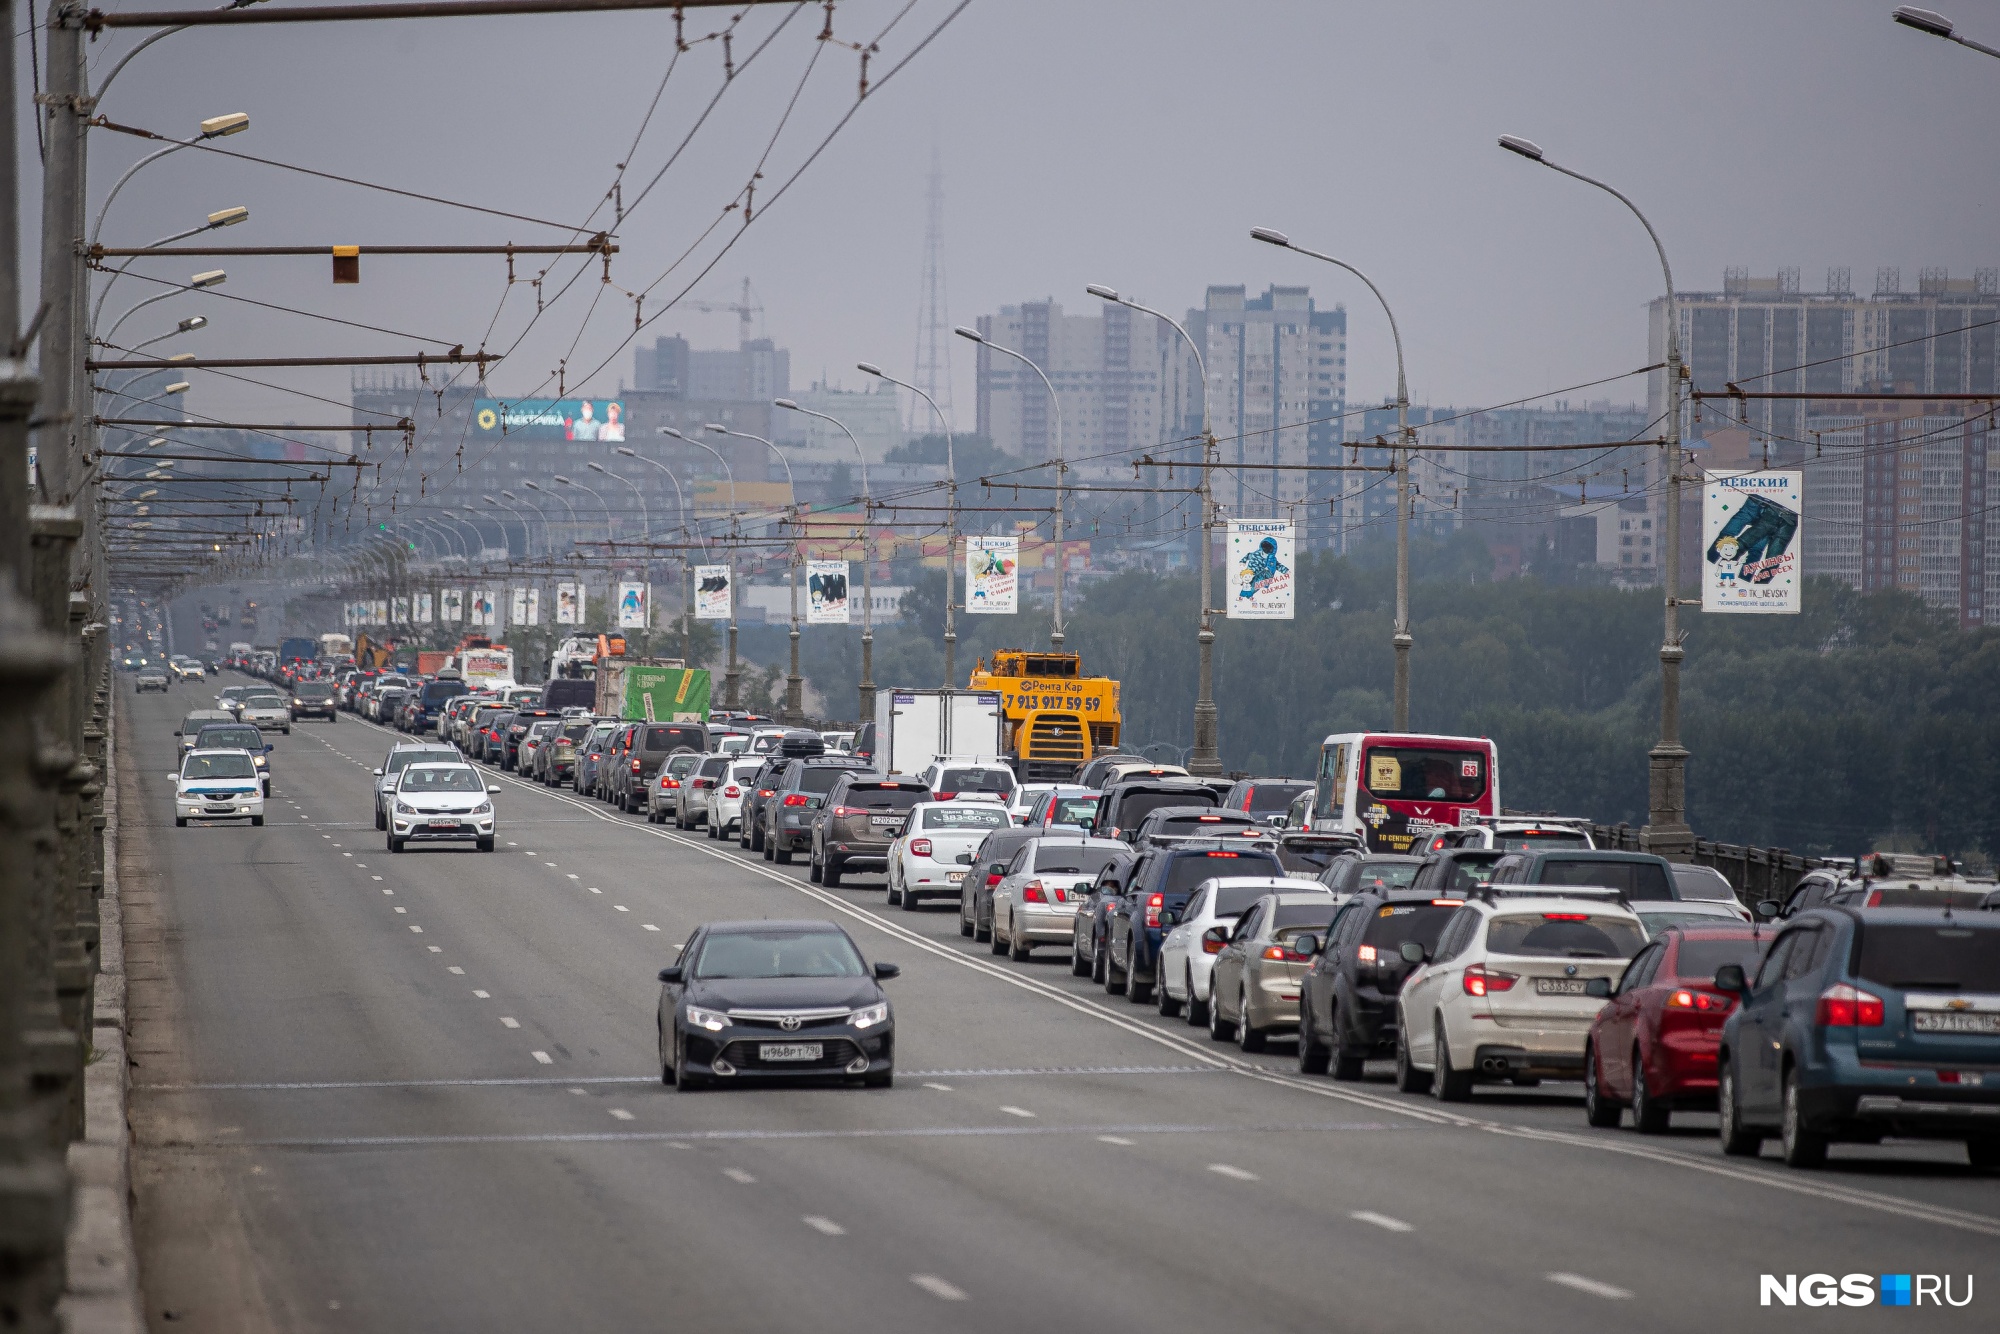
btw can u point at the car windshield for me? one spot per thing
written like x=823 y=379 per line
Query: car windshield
x=1072 y=810
x=747 y=954
x=1235 y=900
x=400 y=759
x=1926 y=957
x=1395 y=923
x=265 y=702
x=678 y=766
x=576 y=731
x=1190 y=870
x=1059 y=860
x=540 y=730
x=1135 y=808
x=1699 y=959
x=878 y=798
x=1638 y=881
x=665 y=736
x=312 y=690
x=1377 y=875
x=1565 y=935
x=820 y=781
x=956 y=816
x=1918 y=896
x=1656 y=922
x=712 y=766
x=743 y=773
x=1470 y=872
x=219 y=766
x=1525 y=840
x=1314 y=915
x=1274 y=796
x=248 y=738
x=1416 y=773
x=1703 y=882
x=975 y=780
x=441 y=778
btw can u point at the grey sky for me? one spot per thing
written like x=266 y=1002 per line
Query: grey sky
x=1119 y=141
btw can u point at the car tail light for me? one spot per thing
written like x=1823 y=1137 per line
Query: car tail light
x=1208 y=819
x=765 y=791
x=670 y=782
x=1284 y=954
x=635 y=766
x=943 y=796
x=1844 y=1006
x=1211 y=946
x=732 y=791
x=1707 y=1002
x=795 y=799
x=1154 y=902
x=920 y=847
x=1479 y=980
x=1220 y=854
x=1246 y=803
x=1565 y=917
x=1032 y=893
x=992 y=879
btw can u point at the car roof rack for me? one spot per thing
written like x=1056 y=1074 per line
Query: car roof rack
x=1511 y=817
x=1497 y=893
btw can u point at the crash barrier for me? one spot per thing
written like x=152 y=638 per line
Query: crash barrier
x=1754 y=873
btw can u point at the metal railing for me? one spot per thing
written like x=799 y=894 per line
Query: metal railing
x=1754 y=873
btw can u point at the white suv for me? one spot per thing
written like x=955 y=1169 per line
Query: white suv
x=1187 y=956
x=725 y=798
x=448 y=802
x=1505 y=995
x=953 y=778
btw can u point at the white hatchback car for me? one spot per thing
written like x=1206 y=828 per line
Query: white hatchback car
x=1187 y=955
x=268 y=712
x=435 y=803
x=1505 y=995
x=952 y=778
x=1036 y=901
x=924 y=859
x=217 y=785
x=725 y=798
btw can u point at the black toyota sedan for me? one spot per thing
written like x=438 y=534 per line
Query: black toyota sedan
x=751 y=1002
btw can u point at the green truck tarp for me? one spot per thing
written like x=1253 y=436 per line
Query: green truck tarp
x=666 y=694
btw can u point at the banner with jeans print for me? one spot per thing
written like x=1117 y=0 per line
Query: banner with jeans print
x=1750 y=541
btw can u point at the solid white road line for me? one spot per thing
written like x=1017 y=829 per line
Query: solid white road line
x=941 y=1088
x=1232 y=1172
x=1591 y=1286
x=938 y=1288
x=825 y=1226
x=1119 y=1140
x=1381 y=1220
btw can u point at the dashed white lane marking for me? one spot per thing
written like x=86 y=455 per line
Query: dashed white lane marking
x=344 y=854
x=1232 y=1172
x=825 y=1226
x=1119 y=1140
x=360 y=864
x=329 y=837
x=1608 y=1291
x=435 y=949
x=419 y=930
x=621 y=1113
x=740 y=1176
x=400 y=908
x=1381 y=1220
x=454 y=968
x=550 y=865
x=543 y=1057
x=939 y=1288
x=941 y=1088
x=1017 y=1111
x=621 y=907
x=595 y=890
x=576 y=1091
x=510 y=1023
x=377 y=877
x=575 y=877
x=650 y=927
x=390 y=892
x=483 y=995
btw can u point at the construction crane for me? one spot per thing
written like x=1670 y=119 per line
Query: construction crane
x=744 y=309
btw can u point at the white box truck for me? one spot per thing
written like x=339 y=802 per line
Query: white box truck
x=914 y=727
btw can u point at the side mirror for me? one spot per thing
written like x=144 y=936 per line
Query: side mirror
x=1730 y=977
x=378 y=773
x=1599 y=987
x=671 y=974
x=1412 y=952
x=1308 y=945
x=1769 y=909
x=492 y=787
x=1170 y=917
x=268 y=748
x=885 y=971
x=965 y=859
x=173 y=778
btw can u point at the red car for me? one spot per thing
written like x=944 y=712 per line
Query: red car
x=1653 y=1045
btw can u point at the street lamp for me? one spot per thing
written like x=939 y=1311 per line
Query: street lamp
x=687 y=557
x=226 y=217
x=866 y=693
x=1667 y=830
x=1206 y=760
x=1937 y=25
x=795 y=713
x=541 y=490
x=951 y=524
x=734 y=672
x=1405 y=443
x=198 y=283
x=1062 y=468
x=646 y=522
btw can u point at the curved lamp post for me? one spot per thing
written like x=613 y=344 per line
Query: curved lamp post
x=951 y=524
x=867 y=688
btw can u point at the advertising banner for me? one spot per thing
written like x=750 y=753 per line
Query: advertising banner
x=1750 y=541
x=484 y=612
x=1261 y=582
x=632 y=607
x=378 y=611
x=992 y=576
x=517 y=607
x=667 y=694
x=826 y=592
x=451 y=605
x=712 y=592
x=399 y=610
x=551 y=419
x=422 y=608
x=534 y=606
x=569 y=604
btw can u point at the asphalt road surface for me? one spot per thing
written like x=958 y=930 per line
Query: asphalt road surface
x=419 y=1092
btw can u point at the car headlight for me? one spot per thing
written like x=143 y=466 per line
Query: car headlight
x=712 y=1020
x=403 y=808
x=483 y=808
x=870 y=1016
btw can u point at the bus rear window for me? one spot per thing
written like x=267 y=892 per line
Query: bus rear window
x=1415 y=773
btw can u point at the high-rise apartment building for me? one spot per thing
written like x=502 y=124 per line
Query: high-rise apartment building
x=756 y=372
x=1106 y=369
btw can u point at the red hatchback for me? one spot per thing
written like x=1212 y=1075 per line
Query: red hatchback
x=1653 y=1045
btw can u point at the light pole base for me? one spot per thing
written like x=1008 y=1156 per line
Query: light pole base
x=1205 y=760
x=1667 y=833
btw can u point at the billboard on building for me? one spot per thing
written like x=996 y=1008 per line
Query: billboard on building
x=826 y=592
x=399 y=610
x=550 y=419
x=992 y=575
x=485 y=612
x=1262 y=583
x=451 y=605
x=421 y=608
x=667 y=694
x=569 y=604
x=712 y=592
x=632 y=607
x=1750 y=541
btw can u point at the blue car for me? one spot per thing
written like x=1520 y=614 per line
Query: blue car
x=1865 y=1022
x=1156 y=891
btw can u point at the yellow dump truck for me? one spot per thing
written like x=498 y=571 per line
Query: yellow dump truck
x=1057 y=718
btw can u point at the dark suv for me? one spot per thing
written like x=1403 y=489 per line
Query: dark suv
x=789 y=811
x=1347 y=999
x=796 y=744
x=314 y=699
x=516 y=732
x=862 y=816
x=989 y=868
x=1167 y=825
x=428 y=703
x=1158 y=885
x=645 y=751
x=1266 y=798
x=1456 y=870
x=1639 y=876
x=1125 y=804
